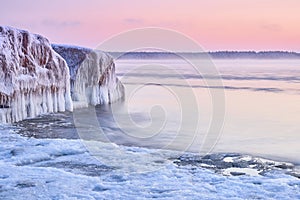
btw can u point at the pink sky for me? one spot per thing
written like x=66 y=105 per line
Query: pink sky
x=215 y=24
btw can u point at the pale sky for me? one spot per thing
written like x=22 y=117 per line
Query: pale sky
x=214 y=24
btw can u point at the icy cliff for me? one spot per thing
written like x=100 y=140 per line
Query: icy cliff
x=93 y=79
x=34 y=79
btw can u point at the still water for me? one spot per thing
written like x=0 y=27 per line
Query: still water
x=245 y=106
x=171 y=104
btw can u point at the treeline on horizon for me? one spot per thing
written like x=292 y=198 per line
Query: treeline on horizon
x=214 y=55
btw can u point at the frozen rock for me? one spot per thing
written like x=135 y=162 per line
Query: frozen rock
x=34 y=78
x=93 y=78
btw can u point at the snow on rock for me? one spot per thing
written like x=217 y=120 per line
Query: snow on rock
x=34 y=78
x=93 y=78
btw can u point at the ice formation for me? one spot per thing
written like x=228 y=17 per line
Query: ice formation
x=93 y=79
x=34 y=78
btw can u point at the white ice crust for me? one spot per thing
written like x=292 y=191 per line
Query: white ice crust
x=63 y=169
x=93 y=78
x=34 y=79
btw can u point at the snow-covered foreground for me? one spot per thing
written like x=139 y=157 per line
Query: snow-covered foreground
x=63 y=169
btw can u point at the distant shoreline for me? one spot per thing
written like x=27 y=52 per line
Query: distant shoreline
x=214 y=55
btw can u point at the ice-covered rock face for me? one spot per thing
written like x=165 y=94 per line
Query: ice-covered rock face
x=34 y=78
x=93 y=79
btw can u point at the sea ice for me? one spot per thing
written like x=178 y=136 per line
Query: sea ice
x=63 y=169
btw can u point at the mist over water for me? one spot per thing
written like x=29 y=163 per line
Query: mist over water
x=127 y=148
x=262 y=105
x=261 y=101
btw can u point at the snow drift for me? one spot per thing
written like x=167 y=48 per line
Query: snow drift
x=93 y=79
x=34 y=78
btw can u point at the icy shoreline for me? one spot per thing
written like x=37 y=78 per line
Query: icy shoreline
x=61 y=126
x=59 y=168
x=36 y=80
x=92 y=76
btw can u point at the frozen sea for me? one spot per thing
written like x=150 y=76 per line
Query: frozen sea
x=160 y=142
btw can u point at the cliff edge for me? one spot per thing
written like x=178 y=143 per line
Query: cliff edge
x=34 y=78
x=93 y=79
x=37 y=78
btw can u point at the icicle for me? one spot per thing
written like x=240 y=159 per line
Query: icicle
x=93 y=78
x=36 y=79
